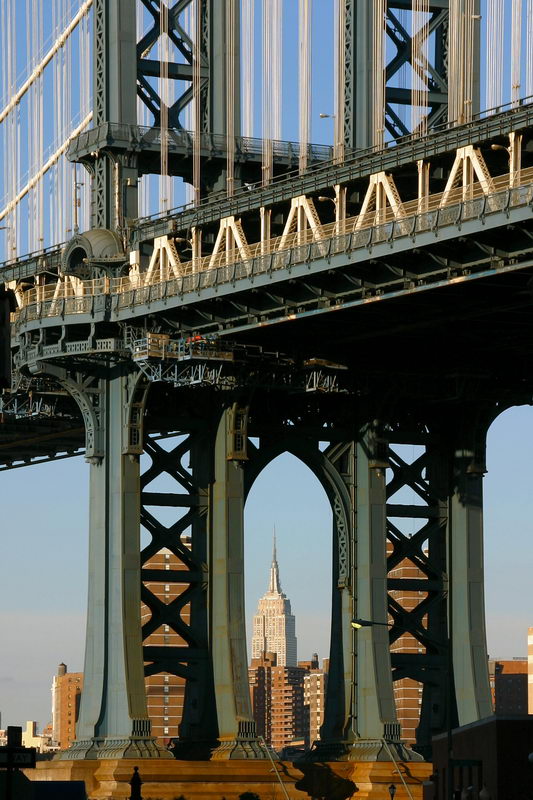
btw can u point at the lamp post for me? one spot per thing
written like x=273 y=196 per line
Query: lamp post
x=367 y=623
x=392 y=791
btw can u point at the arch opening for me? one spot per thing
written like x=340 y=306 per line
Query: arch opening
x=508 y=536
x=287 y=500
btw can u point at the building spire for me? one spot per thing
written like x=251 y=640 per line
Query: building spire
x=274 y=586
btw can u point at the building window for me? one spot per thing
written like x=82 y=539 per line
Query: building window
x=165 y=730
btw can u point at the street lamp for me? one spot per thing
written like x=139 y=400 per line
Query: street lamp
x=367 y=623
x=392 y=791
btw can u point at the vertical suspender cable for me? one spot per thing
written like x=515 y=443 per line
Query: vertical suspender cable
x=494 y=47
x=415 y=63
x=516 y=51
x=13 y=160
x=55 y=207
x=339 y=80
x=144 y=182
x=39 y=110
x=404 y=74
x=189 y=109
x=85 y=34
x=468 y=49
x=304 y=78
x=277 y=68
x=69 y=169
x=271 y=121
x=420 y=65
x=529 y=48
x=197 y=52
x=248 y=67
x=454 y=71
x=3 y=95
x=266 y=120
x=378 y=72
x=164 y=188
x=230 y=95
x=30 y=98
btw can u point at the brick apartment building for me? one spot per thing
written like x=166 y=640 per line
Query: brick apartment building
x=287 y=702
x=164 y=692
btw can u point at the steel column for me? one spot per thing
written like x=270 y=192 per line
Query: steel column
x=236 y=728
x=113 y=719
x=114 y=184
x=466 y=598
x=358 y=83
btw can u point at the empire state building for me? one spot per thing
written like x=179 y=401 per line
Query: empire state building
x=273 y=626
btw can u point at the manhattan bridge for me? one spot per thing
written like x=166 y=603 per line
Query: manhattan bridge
x=332 y=302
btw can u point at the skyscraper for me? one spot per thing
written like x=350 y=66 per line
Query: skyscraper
x=273 y=626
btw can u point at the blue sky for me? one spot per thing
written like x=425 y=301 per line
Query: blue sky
x=44 y=550
x=44 y=542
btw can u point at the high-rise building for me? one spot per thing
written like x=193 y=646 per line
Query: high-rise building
x=164 y=691
x=509 y=685
x=66 y=693
x=287 y=702
x=407 y=692
x=315 y=682
x=277 y=694
x=273 y=625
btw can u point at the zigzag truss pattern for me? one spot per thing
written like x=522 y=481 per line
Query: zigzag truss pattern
x=469 y=178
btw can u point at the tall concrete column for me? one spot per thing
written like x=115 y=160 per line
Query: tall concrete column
x=360 y=717
x=466 y=597
x=113 y=719
x=375 y=711
x=236 y=728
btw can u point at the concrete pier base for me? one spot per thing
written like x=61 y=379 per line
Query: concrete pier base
x=215 y=780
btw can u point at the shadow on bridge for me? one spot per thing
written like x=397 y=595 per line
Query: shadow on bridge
x=320 y=782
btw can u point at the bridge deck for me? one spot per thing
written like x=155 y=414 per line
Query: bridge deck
x=315 y=180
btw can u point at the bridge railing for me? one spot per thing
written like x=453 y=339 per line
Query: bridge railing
x=493 y=122
x=71 y=296
x=139 y=137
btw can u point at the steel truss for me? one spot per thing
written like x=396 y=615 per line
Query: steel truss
x=359 y=96
x=441 y=652
x=123 y=70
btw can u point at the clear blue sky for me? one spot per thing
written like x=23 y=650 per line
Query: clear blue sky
x=43 y=549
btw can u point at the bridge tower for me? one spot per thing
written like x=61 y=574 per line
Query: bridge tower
x=215 y=463
x=420 y=43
